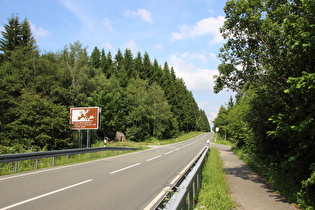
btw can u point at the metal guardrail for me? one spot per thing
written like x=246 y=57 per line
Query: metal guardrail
x=185 y=191
x=55 y=153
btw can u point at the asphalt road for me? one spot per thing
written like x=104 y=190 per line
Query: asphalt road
x=129 y=181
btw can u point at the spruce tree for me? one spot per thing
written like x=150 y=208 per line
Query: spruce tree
x=95 y=58
x=16 y=34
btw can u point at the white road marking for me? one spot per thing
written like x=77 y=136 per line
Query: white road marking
x=113 y=172
x=154 y=158
x=168 y=152
x=44 y=195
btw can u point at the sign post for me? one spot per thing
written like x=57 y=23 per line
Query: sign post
x=217 y=129
x=85 y=118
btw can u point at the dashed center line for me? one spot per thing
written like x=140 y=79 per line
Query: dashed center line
x=169 y=152
x=122 y=169
x=154 y=158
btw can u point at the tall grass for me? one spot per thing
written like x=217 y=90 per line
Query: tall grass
x=214 y=192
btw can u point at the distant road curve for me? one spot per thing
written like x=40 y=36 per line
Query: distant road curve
x=129 y=181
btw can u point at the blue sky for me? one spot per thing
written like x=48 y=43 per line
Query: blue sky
x=184 y=33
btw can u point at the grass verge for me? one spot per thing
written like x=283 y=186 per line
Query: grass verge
x=220 y=140
x=214 y=192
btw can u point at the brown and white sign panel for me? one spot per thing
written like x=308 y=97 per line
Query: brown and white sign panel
x=84 y=118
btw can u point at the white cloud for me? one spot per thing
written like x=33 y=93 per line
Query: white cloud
x=158 y=46
x=93 y=27
x=108 y=24
x=213 y=113
x=200 y=57
x=89 y=25
x=108 y=46
x=74 y=7
x=143 y=13
x=131 y=44
x=206 y=26
x=213 y=55
x=201 y=82
x=197 y=80
x=39 y=31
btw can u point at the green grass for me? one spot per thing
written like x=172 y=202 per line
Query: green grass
x=214 y=192
x=183 y=137
x=220 y=140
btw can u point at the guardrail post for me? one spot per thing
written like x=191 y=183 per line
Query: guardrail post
x=16 y=165
x=199 y=180
x=190 y=199
x=67 y=159
x=36 y=163
x=53 y=161
x=194 y=190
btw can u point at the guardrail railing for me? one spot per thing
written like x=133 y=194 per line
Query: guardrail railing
x=55 y=153
x=185 y=191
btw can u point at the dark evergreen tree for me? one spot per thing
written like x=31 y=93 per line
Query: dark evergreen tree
x=95 y=58
x=157 y=73
x=138 y=65
x=202 y=122
x=129 y=64
x=107 y=64
x=147 y=71
x=16 y=34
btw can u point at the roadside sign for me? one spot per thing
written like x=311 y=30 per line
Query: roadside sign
x=84 y=118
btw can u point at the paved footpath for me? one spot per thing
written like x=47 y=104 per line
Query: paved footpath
x=248 y=190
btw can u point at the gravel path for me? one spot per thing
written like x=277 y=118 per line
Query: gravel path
x=247 y=188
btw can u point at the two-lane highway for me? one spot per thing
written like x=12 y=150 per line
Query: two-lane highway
x=129 y=181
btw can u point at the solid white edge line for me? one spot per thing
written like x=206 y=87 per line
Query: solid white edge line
x=113 y=172
x=154 y=157
x=44 y=195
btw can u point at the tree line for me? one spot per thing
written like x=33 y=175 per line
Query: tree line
x=268 y=59
x=137 y=96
